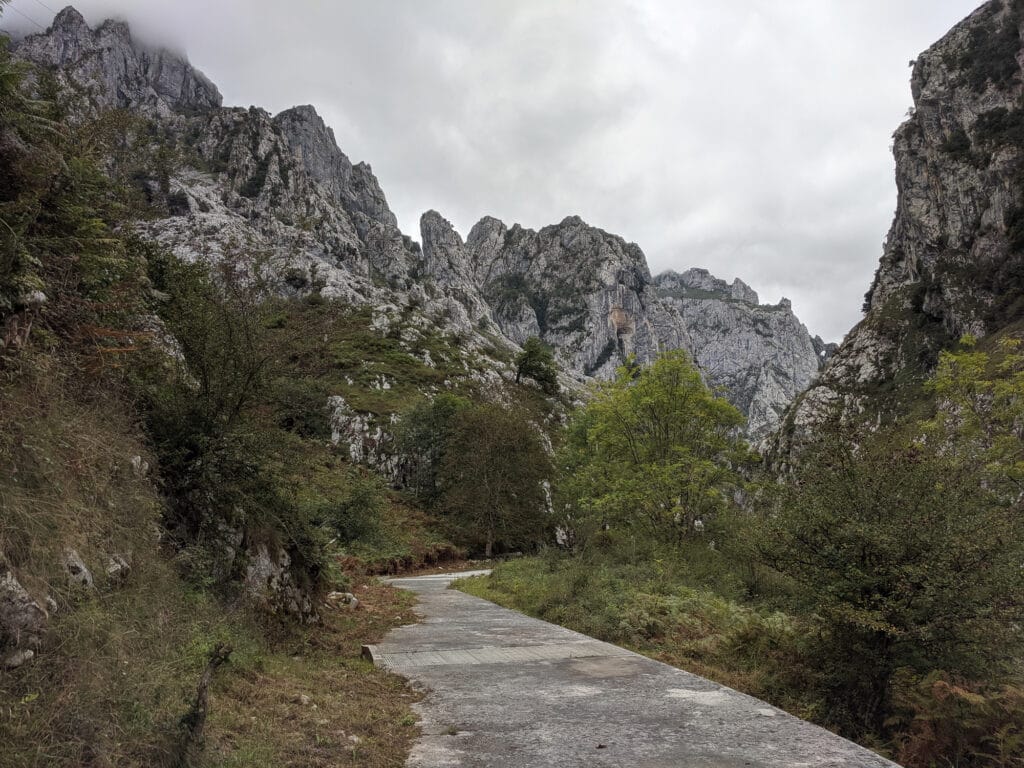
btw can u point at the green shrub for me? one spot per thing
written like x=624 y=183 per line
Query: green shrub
x=991 y=53
x=356 y=514
x=300 y=406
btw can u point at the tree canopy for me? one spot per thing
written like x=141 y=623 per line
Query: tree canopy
x=653 y=448
x=537 y=362
x=492 y=478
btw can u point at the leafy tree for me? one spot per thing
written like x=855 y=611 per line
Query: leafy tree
x=491 y=478
x=653 y=449
x=907 y=561
x=420 y=439
x=355 y=513
x=200 y=407
x=537 y=362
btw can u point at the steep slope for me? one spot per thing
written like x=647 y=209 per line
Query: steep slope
x=275 y=196
x=271 y=192
x=590 y=295
x=953 y=261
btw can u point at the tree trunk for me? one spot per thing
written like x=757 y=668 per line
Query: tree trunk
x=194 y=723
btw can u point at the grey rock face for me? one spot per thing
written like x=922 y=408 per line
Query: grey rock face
x=590 y=295
x=114 y=71
x=954 y=257
x=760 y=355
x=270 y=583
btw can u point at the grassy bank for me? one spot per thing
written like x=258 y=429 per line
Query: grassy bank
x=312 y=700
x=677 y=612
x=116 y=676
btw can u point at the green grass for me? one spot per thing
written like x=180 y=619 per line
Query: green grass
x=337 y=346
x=354 y=714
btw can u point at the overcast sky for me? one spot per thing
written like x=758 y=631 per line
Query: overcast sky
x=750 y=137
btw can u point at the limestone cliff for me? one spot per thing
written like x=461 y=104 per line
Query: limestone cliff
x=953 y=261
x=590 y=295
x=274 y=194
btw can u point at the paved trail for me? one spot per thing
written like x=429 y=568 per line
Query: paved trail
x=508 y=691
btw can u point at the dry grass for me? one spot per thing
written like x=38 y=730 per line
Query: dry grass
x=314 y=701
x=118 y=667
x=66 y=480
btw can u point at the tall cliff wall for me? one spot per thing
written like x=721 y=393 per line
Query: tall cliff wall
x=275 y=193
x=953 y=261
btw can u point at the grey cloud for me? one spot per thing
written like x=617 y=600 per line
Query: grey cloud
x=750 y=138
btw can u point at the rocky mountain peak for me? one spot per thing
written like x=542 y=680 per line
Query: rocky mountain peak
x=117 y=71
x=69 y=23
x=487 y=235
x=953 y=261
x=697 y=280
x=444 y=254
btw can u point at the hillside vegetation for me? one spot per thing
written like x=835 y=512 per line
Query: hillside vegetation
x=173 y=496
x=876 y=590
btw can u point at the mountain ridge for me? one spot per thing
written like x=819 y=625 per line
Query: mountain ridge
x=245 y=185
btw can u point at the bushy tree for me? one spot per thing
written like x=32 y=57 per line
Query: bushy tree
x=653 y=449
x=355 y=513
x=420 y=438
x=906 y=560
x=537 y=362
x=491 y=479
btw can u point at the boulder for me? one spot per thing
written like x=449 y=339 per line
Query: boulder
x=335 y=599
x=22 y=619
x=19 y=657
x=118 y=568
x=77 y=571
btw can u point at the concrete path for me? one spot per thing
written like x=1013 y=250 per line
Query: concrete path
x=508 y=691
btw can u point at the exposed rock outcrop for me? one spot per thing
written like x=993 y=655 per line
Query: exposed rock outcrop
x=590 y=295
x=953 y=261
x=275 y=194
x=271 y=582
